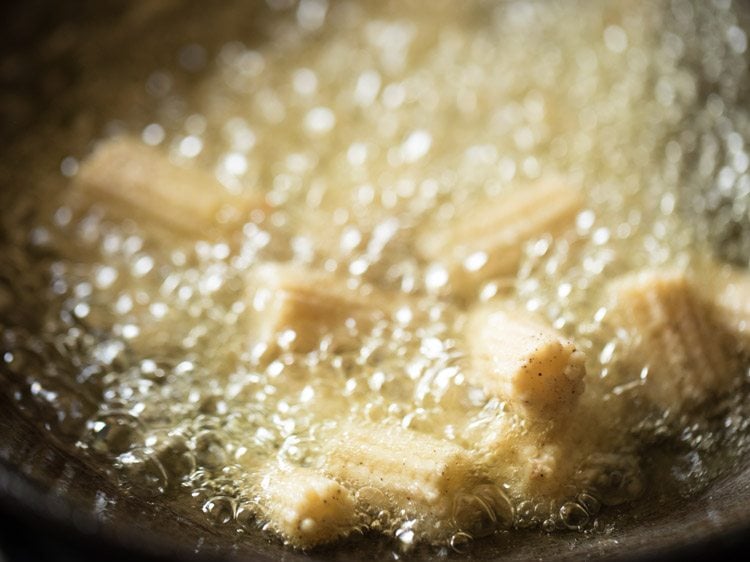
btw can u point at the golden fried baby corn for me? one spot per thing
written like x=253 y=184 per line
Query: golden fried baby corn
x=306 y=508
x=523 y=361
x=487 y=241
x=136 y=180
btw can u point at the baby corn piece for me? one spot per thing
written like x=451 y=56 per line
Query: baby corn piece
x=307 y=305
x=539 y=460
x=306 y=508
x=411 y=471
x=139 y=181
x=525 y=458
x=523 y=361
x=487 y=241
x=734 y=302
x=675 y=334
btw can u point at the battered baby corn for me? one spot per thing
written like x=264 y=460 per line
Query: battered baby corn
x=540 y=458
x=138 y=181
x=304 y=507
x=413 y=472
x=487 y=241
x=677 y=335
x=734 y=301
x=302 y=306
x=521 y=360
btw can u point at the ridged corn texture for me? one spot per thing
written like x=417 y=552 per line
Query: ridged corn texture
x=487 y=241
x=137 y=181
x=413 y=472
x=677 y=339
x=523 y=361
x=302 y=306
x=306 y=508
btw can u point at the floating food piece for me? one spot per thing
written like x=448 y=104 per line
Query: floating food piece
x=306 y=508
x=487 y=241
x=139 y=181
x=677 y=338
x=541 y=460
x=521 y=360
x=301 y=306
x=734 y=301
x=403 y=469
x=528 y=459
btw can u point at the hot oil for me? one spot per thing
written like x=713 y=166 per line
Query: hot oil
x=365 y=124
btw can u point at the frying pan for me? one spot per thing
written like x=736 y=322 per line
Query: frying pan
x=52 y=48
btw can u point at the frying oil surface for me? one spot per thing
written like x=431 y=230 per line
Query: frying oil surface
x=365 y=125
